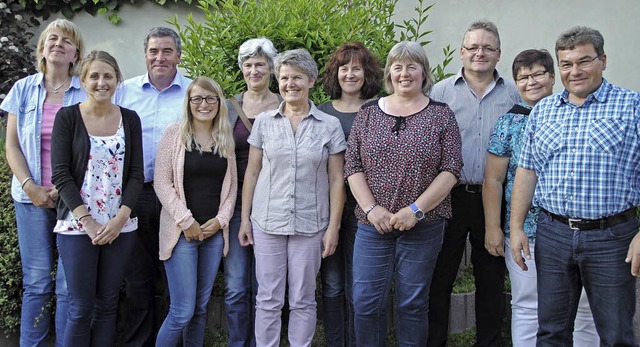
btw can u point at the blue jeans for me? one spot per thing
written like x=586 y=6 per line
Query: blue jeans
x=337 y=280
x=409 y=256
x=239 y=298
x=94 y=277
x=566 y=261
x=37 y=245
x=191 y=271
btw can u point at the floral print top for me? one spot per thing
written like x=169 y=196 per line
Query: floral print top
x=401 y=156
x=506 y=141
x=101 y=189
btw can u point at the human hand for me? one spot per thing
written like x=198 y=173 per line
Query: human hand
x=245 y=234
x=91 y=227
x=519 y=244
x=380 y=218
x=633 y=255
x=404 y=219
x=494 y=241
x=330 y=242
x=53 y=195
x=193 y=232
x=110 y=231
x=39 y=195
x=210 y=227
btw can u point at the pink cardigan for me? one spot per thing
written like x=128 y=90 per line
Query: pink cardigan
x=168 y=182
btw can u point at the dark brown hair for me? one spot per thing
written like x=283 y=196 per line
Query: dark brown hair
x=356 y=52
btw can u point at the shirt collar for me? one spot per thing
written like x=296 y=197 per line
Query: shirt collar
x=599 y=95
x=459 y=77
x=313 y=111
x=178 y=80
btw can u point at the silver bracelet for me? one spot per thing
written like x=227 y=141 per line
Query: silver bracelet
x=366 y=213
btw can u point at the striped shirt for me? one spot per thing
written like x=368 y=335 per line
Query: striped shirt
x=587 y=157
x=476 y=116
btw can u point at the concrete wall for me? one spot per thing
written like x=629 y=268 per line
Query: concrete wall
x=525 y=24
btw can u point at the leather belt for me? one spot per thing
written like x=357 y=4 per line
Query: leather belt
x=590 y=224
x=470 y=188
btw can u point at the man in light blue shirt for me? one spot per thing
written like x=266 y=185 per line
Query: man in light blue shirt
x=478 y=95
x=158 y=98
x=580 y=155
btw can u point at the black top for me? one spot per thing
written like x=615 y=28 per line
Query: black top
x=70 y=148
x=203 y=176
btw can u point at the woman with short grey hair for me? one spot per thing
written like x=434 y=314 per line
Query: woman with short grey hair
x=255 y=59
x=292 y=201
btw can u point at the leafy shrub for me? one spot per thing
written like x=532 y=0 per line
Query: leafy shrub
x=10 y=265
x=210 y=47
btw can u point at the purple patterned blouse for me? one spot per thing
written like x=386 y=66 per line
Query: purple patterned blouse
x=401 y=156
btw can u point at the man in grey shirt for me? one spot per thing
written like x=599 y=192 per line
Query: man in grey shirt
x=478 y=95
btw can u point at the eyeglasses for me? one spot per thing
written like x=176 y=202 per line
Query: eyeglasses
x=537 y=76
x=476 y=49
x=582 y=64
x=211 y=100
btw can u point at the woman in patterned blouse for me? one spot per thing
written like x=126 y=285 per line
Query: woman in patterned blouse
x=534 y=75
x=403 y=158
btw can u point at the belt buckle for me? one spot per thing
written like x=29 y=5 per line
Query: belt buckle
x=573 y=220
x=466 y=189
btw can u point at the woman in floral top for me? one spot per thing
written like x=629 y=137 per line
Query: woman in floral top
x=534 y=75
x=402 y=160
x=96 y=155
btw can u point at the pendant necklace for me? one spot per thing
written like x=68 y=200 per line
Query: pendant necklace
x=55 y=90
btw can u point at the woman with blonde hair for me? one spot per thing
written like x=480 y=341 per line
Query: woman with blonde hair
x=96 y=155
x=196 y=182
x=32 y=105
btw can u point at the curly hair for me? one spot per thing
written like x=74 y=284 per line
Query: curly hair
x=356 y=52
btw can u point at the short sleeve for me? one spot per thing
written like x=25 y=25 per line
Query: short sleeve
x=526 y=160
x=337 y=142
x=500 y=139
x=451 y=144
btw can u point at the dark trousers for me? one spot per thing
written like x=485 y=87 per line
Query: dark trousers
x=489 y=272
x=143 y=280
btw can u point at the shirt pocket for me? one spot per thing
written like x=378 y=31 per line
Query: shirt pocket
x=548 y=138
x=606 y=134
x=275 y=139
x=27 y=114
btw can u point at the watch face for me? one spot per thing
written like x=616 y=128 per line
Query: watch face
x=419 y=215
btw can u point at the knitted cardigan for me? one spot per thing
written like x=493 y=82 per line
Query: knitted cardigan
x=168 y=183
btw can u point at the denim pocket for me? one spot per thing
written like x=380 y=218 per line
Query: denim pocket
x=27 y=113
x=624 y=230
x=606 y=134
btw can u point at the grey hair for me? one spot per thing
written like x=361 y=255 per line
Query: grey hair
x=163 y=32
x=408 y=50
x=300 y=58
x=484 y=25
x=259 y=47
x=578 y=36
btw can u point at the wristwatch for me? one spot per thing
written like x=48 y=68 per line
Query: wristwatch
x=417 y=212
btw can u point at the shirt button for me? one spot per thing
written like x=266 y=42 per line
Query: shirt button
x=573 y=150
x=571 y=173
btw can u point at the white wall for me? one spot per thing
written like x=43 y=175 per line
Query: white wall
x=525 y=24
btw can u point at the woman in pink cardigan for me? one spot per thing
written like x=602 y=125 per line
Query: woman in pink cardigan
x=196 y=182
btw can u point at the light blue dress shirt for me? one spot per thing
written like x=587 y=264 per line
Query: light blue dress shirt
x=26 y=101
x=157 y=109
x=476 y=116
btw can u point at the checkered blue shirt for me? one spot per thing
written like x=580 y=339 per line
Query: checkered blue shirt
x=587 y=157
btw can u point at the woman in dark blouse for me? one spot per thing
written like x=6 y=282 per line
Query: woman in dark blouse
x=352 y=76
x=402 y=160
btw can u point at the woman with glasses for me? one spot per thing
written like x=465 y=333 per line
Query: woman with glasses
x=196 y=182
x=32 y=104
x=534 y=75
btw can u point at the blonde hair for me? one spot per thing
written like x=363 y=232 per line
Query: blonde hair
x=68 y=28
x=221 y=131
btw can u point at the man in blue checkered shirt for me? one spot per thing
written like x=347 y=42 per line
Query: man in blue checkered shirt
x=581 y=157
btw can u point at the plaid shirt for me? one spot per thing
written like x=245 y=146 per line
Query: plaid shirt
x=587 y=157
